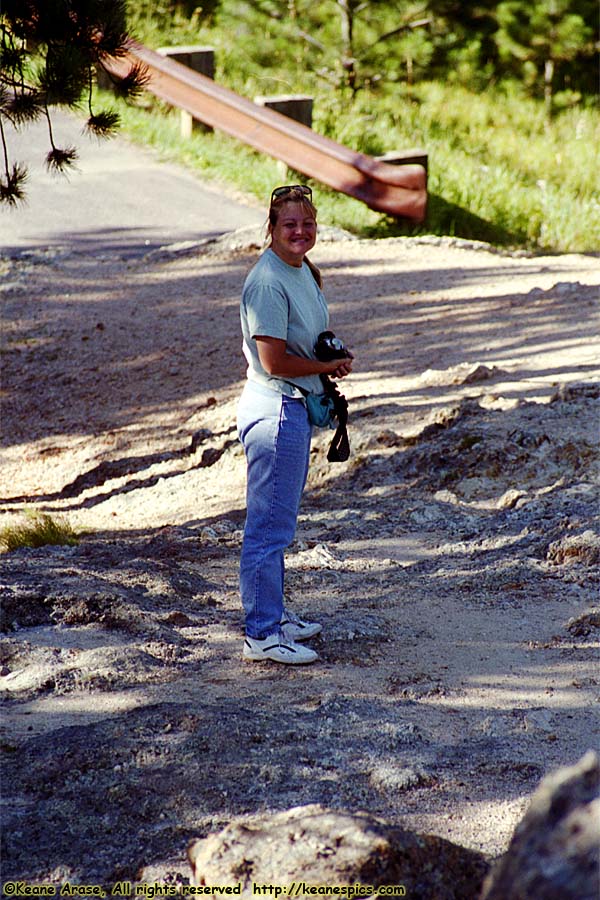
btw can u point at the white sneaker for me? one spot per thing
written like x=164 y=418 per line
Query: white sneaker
x=296 y=629
x=279 y=648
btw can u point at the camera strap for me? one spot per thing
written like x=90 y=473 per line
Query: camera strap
x=339 y=449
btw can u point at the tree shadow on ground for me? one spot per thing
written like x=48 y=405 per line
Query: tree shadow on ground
x=101 y=799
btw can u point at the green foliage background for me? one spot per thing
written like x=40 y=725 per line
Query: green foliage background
x=512 y=159
x=502 y=97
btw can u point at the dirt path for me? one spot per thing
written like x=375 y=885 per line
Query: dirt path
x=452 y=560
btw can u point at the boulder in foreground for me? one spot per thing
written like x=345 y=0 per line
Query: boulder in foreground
x=315 y=846
x=555 y=850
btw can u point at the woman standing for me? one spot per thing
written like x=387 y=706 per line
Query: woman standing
x=283 y=311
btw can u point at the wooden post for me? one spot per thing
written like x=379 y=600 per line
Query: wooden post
x=200 y=59
x=295 y=106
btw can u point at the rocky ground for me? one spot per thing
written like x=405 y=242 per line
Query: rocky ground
x=452 y=560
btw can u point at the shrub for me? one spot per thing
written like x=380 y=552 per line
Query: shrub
x=38 y=530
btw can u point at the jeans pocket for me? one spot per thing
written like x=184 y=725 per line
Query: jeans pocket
x=256 y=404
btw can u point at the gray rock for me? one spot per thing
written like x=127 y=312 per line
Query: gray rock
x=312 y=845
x=584 y=624
x=555 y=850
x=481 y=373
x=388 y=776
x=510 y=498
x=578 y=391
x=577 y=548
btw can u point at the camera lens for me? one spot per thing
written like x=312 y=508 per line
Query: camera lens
x=329 y=347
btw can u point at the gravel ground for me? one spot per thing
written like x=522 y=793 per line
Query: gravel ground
x=452 y=559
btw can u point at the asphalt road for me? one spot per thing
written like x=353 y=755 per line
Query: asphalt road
x=120 y=198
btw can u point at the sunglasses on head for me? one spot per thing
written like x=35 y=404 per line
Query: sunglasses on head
x=288 y=188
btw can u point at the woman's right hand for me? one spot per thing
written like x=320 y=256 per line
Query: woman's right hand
x=339 y=368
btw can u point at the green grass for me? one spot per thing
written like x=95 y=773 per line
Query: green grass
x=37 y=530
x=498 y=171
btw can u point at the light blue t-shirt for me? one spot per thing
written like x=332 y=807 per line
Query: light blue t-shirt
x=282 y=301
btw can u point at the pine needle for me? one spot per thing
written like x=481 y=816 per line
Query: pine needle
x=24 y=106
x=59 y=160
x=12 y=185
x=131 y=86
x=103 y=124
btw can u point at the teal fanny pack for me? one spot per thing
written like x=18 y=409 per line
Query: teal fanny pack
x=321 y=410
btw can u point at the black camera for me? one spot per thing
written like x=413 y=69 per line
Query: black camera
x=329 y=347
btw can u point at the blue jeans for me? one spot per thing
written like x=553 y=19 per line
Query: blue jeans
x=275 y=433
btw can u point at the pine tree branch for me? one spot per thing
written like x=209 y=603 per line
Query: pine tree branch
x=4 y=148
x=90 y=91
x=311 y=40
x=131 y=86
x=12 y=187
x=58 y=159
x=49 y=122
x=22 y=106
x=70 y=37
x=103 y=124
x=419 y=23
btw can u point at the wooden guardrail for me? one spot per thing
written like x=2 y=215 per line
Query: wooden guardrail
x=392 y=189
